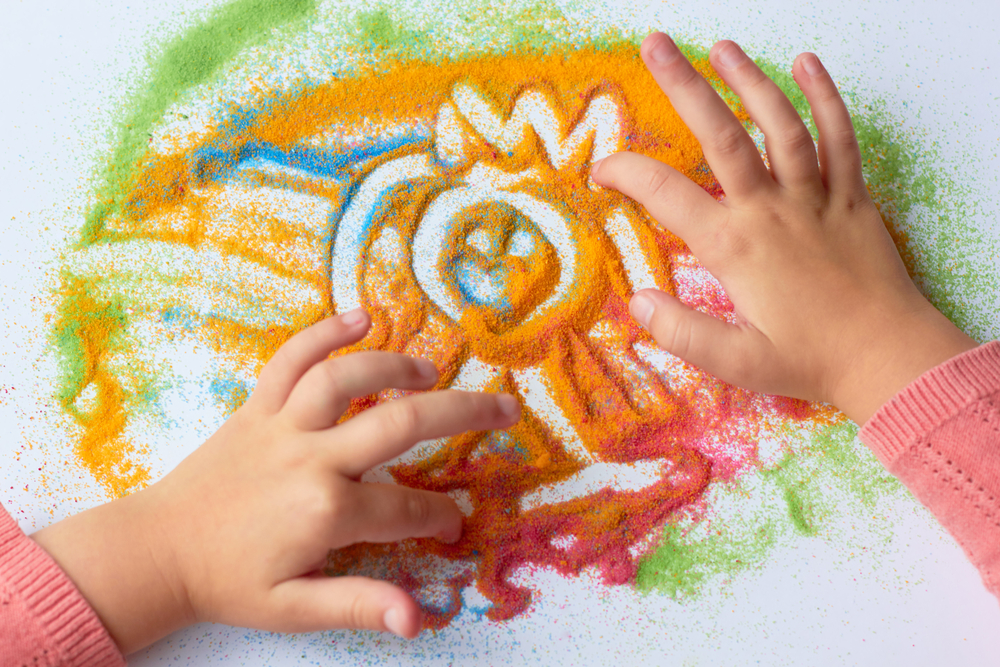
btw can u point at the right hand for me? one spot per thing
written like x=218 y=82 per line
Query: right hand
x=827 y=310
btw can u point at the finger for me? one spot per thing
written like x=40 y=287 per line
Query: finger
x=312 y=604
x=728 y=148
x=302 y=351
x=387 y=430
x=790 y=147
x=734 y=354
x=326 y=390
x=839 y=156
x=392 y=513
x=670 y=197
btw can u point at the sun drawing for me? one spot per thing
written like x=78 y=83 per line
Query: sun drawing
x=453 y=202
x=513 y=273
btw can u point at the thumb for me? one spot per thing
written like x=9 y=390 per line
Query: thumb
x=319 y=602
x=733 y=353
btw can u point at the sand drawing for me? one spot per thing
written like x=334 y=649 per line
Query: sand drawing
x=451 y=198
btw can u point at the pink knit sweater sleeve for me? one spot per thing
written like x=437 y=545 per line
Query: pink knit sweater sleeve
x=941 y=437
x=44 y=620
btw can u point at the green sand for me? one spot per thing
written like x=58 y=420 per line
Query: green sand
x=901 y=174
x=188 y=60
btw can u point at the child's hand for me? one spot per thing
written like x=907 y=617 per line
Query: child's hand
x=238 y=532
x=827 y=309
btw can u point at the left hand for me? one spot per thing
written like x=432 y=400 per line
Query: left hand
x=239 y=531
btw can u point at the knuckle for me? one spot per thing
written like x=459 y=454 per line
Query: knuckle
x=684 y=75
x=729 y=140
x=675 y=335
x=659 y=184
x=418 y=510
x=754 y=79
x=403 y=417
x=850 y=204
x=860 y=203
x=798 y=140
x=843 y=137
x=829 y=95
x=356 y=614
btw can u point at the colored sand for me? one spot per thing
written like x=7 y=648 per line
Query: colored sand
x=187 y=61
x=448 y=194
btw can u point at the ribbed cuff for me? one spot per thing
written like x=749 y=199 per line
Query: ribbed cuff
x=930 y=400
x=59 y=609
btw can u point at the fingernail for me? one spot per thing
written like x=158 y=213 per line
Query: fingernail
x=812 y=65
x=444 y=538
x=642 y=307
x=664 y=50
x=394 y=622
x=450 y=537
x=353 y=318
x=594 y=166
x=731 y=56
x=508 y=405
x=426 y=369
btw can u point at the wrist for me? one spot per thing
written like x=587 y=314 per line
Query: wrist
x=896 y=351
x=113 y=555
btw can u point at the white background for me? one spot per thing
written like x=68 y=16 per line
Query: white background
x=913 y=600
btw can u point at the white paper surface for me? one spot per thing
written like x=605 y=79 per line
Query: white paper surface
x=911 y=600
